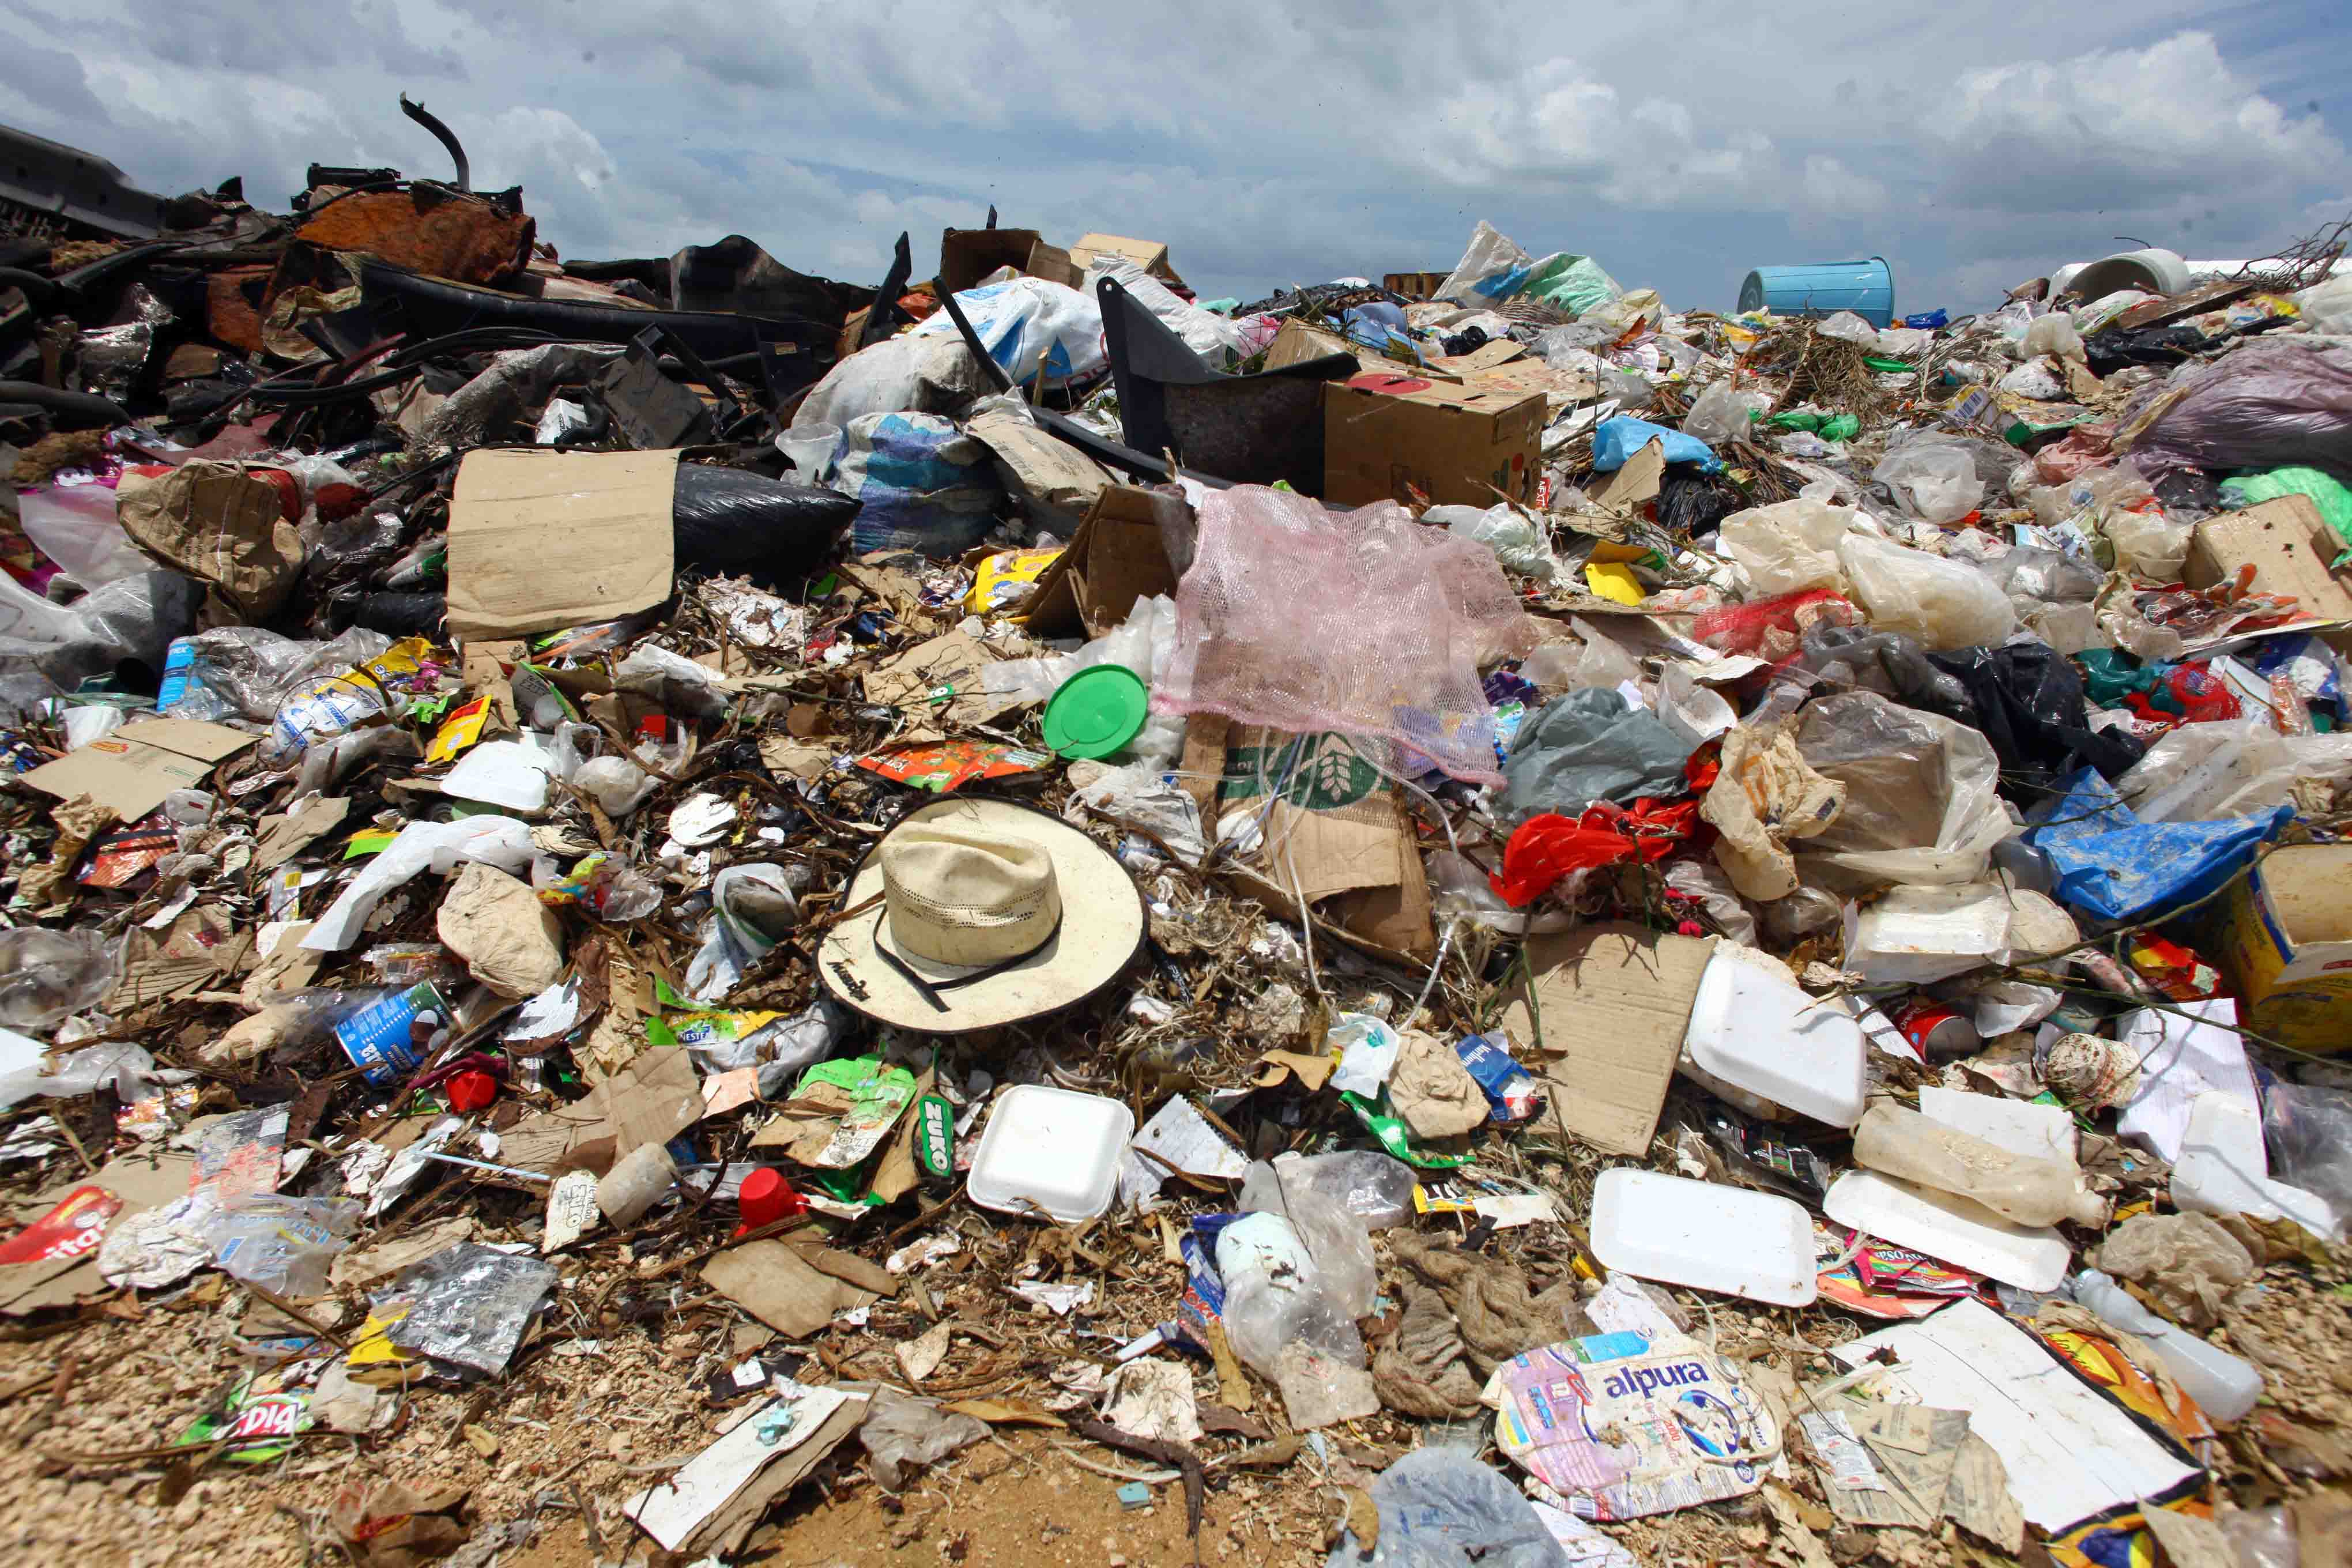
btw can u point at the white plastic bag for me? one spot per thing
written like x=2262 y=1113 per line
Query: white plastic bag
x=2147 y=546
x=1932 y=477
x=1788 y=546
x=1921 y=805
x=1723 y=413
x=1944 y=604
x=1851 y=328
x=1212 y=337
x=2054 y=334
x=1519 y=544
x=2328 y=307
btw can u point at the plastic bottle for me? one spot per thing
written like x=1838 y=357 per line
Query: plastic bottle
x=2017 y=1187
x=2224 y=1386
x=1274 y=1294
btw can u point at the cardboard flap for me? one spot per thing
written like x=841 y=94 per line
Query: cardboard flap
x=540 y=540
x=1611 y=1006
x=131 y=770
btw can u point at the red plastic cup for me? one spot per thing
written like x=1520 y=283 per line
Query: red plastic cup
x=471 y=1090
x=767 y=1198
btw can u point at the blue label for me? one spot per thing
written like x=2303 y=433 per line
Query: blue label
x=382 y=1039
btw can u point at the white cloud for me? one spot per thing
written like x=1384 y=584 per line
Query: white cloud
x=1681 y=143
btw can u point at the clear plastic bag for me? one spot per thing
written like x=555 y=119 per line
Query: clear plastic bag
x=1275 y=1295
x=123 y=1067
x=48 y=976
x=1368 y=1185
x=1933 y=477
x=1440 y=1508
x=1944 y=604
x=2147 y=544
x=1921 y=804
x=904 y=1435
x=1723 y=413
x=2308 y=1131
x=2230 y=767
x=1339 y=1241
x=1788 y=546
x=281 y=1243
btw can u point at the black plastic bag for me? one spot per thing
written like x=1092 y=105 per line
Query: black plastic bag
x=2028 y=699
x=726 y=520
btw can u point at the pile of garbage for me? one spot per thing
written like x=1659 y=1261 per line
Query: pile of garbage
x=1555 y=931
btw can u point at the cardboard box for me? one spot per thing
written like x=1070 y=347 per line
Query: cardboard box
x=2289 y=545
x=1456 y=444
x=1347 y=838
x=541 y=540
x=1604 y=1026
x=133 y=769
x=1298 y=343
x=1118 y=555
x=1149 y=254
x=969 y=255
x=2285 y=940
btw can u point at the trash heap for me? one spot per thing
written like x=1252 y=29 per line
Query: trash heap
x=653 y=901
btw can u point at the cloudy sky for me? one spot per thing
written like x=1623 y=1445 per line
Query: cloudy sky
x=1681 y=142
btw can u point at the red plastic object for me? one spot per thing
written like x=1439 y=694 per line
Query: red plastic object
x=2204 y=697
x=1778 y=622
x=767 y=1198
x=1548 y=848
x=471 y=1090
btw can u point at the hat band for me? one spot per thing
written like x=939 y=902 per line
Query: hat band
x=930 y=989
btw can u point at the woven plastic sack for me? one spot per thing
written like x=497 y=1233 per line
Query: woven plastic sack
x=1021 y=318
x=924 y=484
x=1364 y=622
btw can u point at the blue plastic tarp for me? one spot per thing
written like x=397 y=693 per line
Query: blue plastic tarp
x=1615 y=440
x=2112 y=866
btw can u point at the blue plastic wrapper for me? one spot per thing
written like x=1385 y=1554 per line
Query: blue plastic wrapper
x=1615 y=440
x=1511 y=1094
x=1930 y=321
x=1205 y=1287
x=2112 y=866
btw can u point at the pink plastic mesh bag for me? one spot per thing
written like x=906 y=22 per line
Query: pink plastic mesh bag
x=1365 y=622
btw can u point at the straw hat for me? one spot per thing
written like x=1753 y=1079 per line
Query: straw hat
x=991 y=913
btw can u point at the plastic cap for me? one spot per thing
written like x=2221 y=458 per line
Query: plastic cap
x=471 y=1090
x=767 y=1198
x=1096 y=713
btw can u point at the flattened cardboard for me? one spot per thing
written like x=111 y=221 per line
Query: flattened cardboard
x=2289 y=545
x=1635 y=483
x=143 y=1180
x=541 y=540
x=1118 y=555
x=652 y=1101
x=1458 y=445
x=775 y=1284
x=1612 y=1004
x=133 y=769
x=1298 y=343
x=1056 y=482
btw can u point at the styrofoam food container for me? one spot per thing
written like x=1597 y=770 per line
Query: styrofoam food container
x=1059 y=1150
x=1956 y=1230
x=1757 y=1031
x=1703 y=1235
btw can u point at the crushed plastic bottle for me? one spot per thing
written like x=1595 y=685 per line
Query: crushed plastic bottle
x=2020 y=1188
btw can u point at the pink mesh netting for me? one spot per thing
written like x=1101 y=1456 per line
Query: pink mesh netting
x=1365 y=622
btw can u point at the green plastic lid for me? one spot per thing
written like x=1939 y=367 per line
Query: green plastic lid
x=1097 y=712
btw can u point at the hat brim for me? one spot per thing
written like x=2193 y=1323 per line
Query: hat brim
x=1103 y=925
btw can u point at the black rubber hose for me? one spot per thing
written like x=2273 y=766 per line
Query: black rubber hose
x=84 y=405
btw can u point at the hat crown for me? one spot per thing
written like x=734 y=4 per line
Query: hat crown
x=966 y=895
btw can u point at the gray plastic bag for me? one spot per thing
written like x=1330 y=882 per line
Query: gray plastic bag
x=1586 y=746
x=1440 y=1508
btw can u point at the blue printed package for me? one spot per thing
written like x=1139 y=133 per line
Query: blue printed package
x=1205 y=1287
x=386 y=1039
x=1511 y=1094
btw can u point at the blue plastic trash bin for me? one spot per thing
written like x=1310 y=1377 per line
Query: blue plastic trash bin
x=1823 y=288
